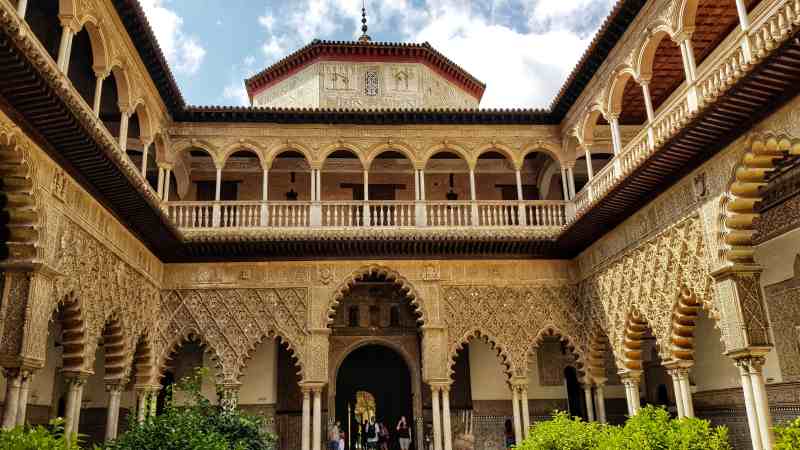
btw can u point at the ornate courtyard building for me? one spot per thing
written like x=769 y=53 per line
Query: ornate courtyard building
x=364 y=240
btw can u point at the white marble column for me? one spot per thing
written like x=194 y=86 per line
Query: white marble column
x=564 y=183
x=22 y=6
x=141 y=404
x=571 y=179
x=515 y=409
x=123 y=130
x=756 y=366
x=448 y=429
x=167 y=177
x=218 y=184
x=11 y=404
x=616 y=137
x=145 y=151
x=112 y=415
x=437 y=418
x=65 y=47
x=600 y=403
x=750 y=404
x=305 y=437
x=648 y=100
x=686 y=392
x=526 y=414
x=366 y=212
x=98 y=92
x=73 y=407
x=589 y=168
x=473 y=198
x=160 y=183
x=24 y=392
x=676 y=387
x=316 y=438
x=631 y=383
x=587 y=395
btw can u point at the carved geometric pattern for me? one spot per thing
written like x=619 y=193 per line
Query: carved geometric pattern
x=511 y=319
x=644 y=285
x=232 y=322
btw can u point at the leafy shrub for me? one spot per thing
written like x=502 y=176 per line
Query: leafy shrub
x=196 y=425
x=650 y=429
x=787 y=437
x=37 y=438
x=563 y=433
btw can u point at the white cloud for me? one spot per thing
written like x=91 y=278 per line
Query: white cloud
x=236 y=93
x=184 y=52
x=522 y=49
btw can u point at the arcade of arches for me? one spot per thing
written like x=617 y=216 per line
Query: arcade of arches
x=471 y=270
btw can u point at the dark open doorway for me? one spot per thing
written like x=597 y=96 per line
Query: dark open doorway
x=574 y=393
x=381 y=372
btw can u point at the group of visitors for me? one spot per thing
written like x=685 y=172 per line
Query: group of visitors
x=372 y=435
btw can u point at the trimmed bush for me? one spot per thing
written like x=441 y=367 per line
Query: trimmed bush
x=787 y=437
x=651 y=429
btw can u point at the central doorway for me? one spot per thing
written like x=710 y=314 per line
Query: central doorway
x=373 y=379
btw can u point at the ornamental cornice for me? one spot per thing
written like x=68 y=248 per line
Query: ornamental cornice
x=302 y=234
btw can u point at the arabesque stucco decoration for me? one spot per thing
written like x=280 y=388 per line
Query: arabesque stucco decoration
x=512 y=318
x=233 y=322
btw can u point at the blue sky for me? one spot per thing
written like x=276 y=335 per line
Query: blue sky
x=522 y=49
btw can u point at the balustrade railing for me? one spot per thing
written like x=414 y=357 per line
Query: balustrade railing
x=391 y=214
x=342 y=214
x=448 y=213
x=357 y=214
x=498 y=214
x=545 y=214
x=239 y=214
x=288 y=214
x=730 y=61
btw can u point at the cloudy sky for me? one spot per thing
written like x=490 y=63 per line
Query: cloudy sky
x=522 y=49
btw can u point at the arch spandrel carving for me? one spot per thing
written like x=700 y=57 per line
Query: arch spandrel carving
x=234 y=321
x=511 y=316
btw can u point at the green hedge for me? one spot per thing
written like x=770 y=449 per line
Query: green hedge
x=651 y=429
x=787 y=436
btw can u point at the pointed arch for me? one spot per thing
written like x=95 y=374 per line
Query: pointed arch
x=391 y=275
x=189 y=334
x=476 y=333
x=292 y=348
x=25 y=216
x=550 y=330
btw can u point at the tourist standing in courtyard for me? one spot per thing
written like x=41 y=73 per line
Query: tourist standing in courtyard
x=333 y=436
x=403 y=433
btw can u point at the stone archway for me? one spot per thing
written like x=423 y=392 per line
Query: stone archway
x=409 y=356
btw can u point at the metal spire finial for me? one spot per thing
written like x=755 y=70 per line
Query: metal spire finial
x=364 y=36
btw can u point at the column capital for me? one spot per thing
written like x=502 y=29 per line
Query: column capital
x=683 y=35
x=630 y=376
x=312 y=386
x=116 y=386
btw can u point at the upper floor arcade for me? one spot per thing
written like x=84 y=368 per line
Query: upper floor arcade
x=665 y=84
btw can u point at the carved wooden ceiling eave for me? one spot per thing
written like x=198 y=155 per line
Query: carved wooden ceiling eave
x=32 y=88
